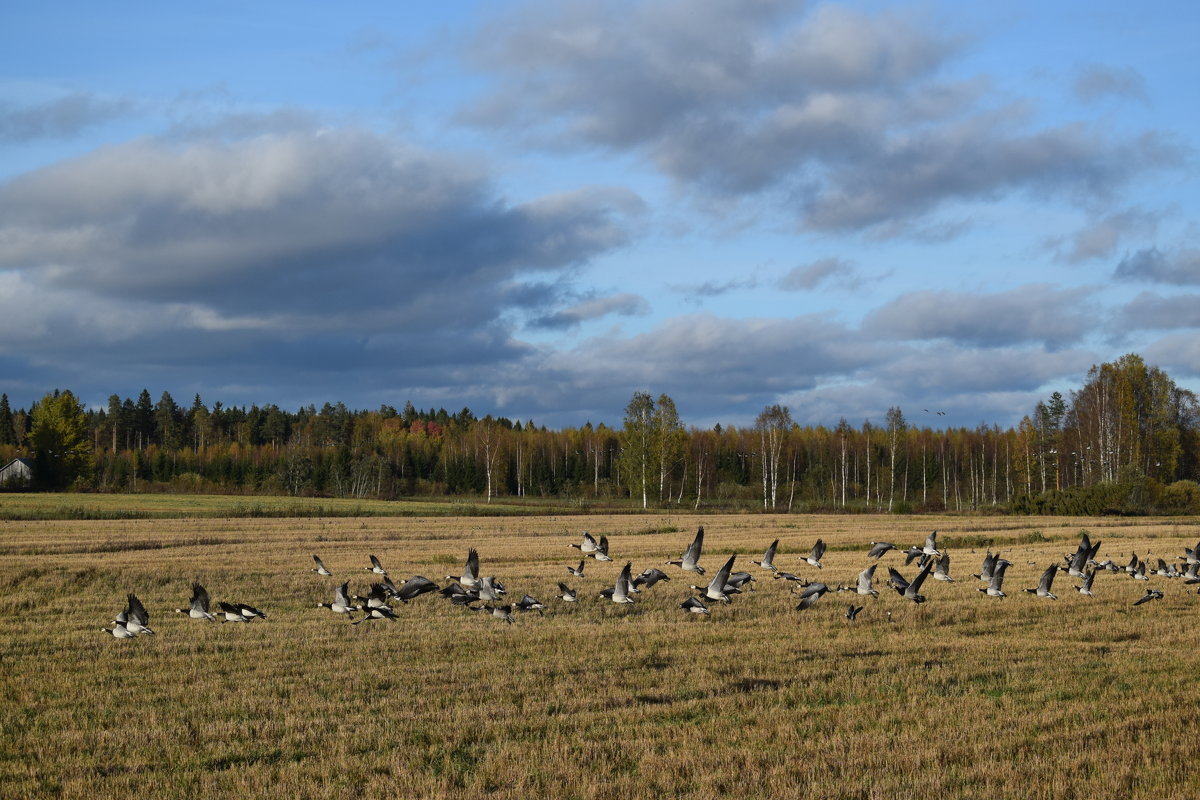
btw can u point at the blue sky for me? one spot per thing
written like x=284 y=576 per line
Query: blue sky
x=536 y=208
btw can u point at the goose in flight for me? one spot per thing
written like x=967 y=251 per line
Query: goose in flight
x=320 y=568
x=578 y=571
x=768 y=559
x=118 y=630
x=341 y=601
x=941 y=570
x=137 y=620
x=694 y=605
x=199 y=604
x=375 y=567
x=691 y=557
x=1085 y=588
x=415 y=586
x=810 y=595
x=499 y=612
x=489 y=589
x=996 y=583
x=879 y=548
x=601 y=551
x=863 y=585
x=470 y=575
x=588 y=545
x=377 y=605
x=814 y=555
x=718 y=588
x=233 y=613
x=528 y=603
x=930 y=548
x=853 y=611
x=649 y=577
x=905 y=588
x=623 y=590
x=1083 y=555
x=1151 y=594
x=1046 y=582
x=567 y=594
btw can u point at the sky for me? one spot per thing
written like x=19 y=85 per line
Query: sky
x=535 y=209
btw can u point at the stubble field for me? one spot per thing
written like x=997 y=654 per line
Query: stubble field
x=962 y=696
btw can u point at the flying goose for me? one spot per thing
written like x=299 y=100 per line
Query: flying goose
x=909 y=590
x=863 y=585
x=375 y=567
x=489 y=589
x=341 y=601
x=694 y=605
x=853 y=612
x=1191 y=556
x=649 y=577
x=768 y=559
x=119 y=630
x=1085 y=588
x=320 y=568
x=691 y=556
x=199 y=604
x=528 y=603
x=1139 y=573
x=601 y=551
x=568 y=594
x=499 y=612
x=879 y=548
x=1047 y=580
x=941 y=571
x=588 y=545
x=578 y=571
x=470 y=576
x=995 y=584
x=930 y=548
x=814 y=555
x=718 y=588
x=1151 y=594
x=810 y=595
x=233 y=613
x=137 y=620
x=459 y=596
x=377 y=606
x=415 y=586
x=1085 y=553
x=624 y=586
x=738 y=580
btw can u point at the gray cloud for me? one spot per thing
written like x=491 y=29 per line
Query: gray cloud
x=842 y=113
x=60 y=118
x=1151 y=311
x=1177 y=267
x=623 y=304
x=709 y=289
x=1102 y=236
x=808 y=276
x=1096 y=81
x=1034 y=313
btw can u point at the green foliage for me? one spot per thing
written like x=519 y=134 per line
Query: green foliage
x=59 y=441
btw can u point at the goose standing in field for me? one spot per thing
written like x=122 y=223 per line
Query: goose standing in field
x=941 y=571
x=996 y=583
x=470 y=575
x=768 y=559
x=320 y=567
x=578 y=571
x=199 y=604
x=137 y=620
x=1045 y=584
x=814 y=556
x=694 y=605
x=718 y=588
x=601 y=551
x=690 y=561
x=879 y=548
x=341 y=601
x=810 y=595
x=375 y=567
x=567 y=594
x=623 y=589
x=1085 y=588
x=649 y=577
x=588 y=545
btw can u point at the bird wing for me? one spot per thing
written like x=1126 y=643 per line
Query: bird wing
x=898 y=580
x=915 y=586
x=769 y=556
x=818 y=550
x=375 y=563
x=717 y=584
x=137 y=611
x=471 y=570
x=864 y=578
x=200 y=599
x=414 y=586
x=692 y=555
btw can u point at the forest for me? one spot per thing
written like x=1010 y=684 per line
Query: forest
x=1126 y=442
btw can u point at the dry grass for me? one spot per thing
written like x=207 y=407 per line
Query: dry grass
x=964 y=696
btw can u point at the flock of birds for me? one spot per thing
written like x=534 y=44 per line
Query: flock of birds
x=486 y=593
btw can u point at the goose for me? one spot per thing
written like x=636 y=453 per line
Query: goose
x=528 y=603
x=459 y=596
x=1192 y=574
x=1131 y=567
x=768 y=559
x=320 y=568
x=941 y=571
x=578 y=571
x=691 y=557
x=1151 y=594
x=567 y=594
x=415 y=586
x=199 y=604
x=906 y=589
x=588 y=545
x=650 y=577
x=119 y=631
x=601 y=551
x=499 y=612
x=1085 y=553
x=377 y=606
x=930 y=548
x=989 y=566
x=738 y=580
x=994 y=587
x=232 y=613
x=470 y=576
x=137 y=620
x=1085 y=588
x=375 y=567
x=622 y=589
x=852 y=612
x=814 y=555
x=1047 y=581
x=810 y=595
x=489 y=589
x=1139 y=574
x=718 y=588
x=879 y=548
x=788 y=576
x=914 y=552
x=1166 y=571
x=1191 y=557
x=863 y=585
x=694 y=605
x=341 y=601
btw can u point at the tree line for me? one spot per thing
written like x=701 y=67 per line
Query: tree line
x=1128 y=441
